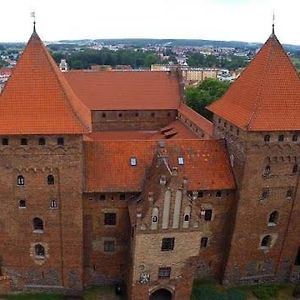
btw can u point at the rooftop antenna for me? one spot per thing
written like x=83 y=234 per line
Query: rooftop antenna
x=273 y=23
x=32 y=14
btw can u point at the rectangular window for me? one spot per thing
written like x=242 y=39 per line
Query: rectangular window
x=5 y=141
x=204 y=242
x=208 y=215
x=122 y=196
x=109 y=246
x=23 y=142
x=60 y=141
x=297 y=261
x=133 y=161
x=164 y=273
x=180 y=160
x=167 y=244
x=110 y=219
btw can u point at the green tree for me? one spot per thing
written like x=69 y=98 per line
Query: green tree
x=204 y=94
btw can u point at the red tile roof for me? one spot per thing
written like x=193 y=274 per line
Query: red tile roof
x=38 y=100
x=125 y=90
x=108 y=167
x=266 y=96
x=182 y=132
x=197 y=119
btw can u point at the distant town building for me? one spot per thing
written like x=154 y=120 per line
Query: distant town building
x=63 y=65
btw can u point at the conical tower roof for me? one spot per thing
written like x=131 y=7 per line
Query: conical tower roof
x=266 y=96
x=37 y=98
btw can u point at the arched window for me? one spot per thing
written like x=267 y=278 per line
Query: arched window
x=266 y=241
x=50 y=179
x=267 y=138
x=39 y=250
x=267 y=170
x=273 y=218
x=20 y=180
x=154 y=218
x=295 y=169
x=53 y=204
x=186 y=218
x=38 y=224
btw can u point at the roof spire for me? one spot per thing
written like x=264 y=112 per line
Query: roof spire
x=273 y=23
x=34 y=20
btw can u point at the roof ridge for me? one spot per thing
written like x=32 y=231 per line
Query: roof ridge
x=259 y=92
x=62 y=81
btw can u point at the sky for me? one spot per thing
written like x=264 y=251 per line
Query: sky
x=239 y=20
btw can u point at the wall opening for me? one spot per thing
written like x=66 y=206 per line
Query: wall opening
x=161 y=294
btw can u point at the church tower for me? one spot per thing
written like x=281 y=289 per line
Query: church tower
x=259 y=119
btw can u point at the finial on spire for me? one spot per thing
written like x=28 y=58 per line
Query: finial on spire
x=34 y=21
x=273 y=23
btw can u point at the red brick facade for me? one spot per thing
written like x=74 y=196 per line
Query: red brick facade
x=152 y=197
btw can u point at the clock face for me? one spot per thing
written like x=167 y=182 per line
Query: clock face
x=144 y=278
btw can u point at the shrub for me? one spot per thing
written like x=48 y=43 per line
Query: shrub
x=296 y=292
x=265 y=292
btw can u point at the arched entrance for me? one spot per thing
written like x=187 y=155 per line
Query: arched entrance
x=161 y=294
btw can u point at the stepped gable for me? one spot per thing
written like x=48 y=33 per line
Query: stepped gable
x=38 y=100
x=126 y=90
x=266 y=97
x=206 y=164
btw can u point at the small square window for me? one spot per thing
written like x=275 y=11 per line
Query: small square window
x=109 y=246
x=5 y=141
x=22 y=203
x=219 y=194
x=167 y=244
x=102 y=197
x=265 y=194
x=295 y=138
x=122 y=196
x=231 y=127
x=60 y=141
x=267 y=138
x=204 y=242
x=164 y=273
x=24 y=142
x=180 y=160
x=281 y=138
x=200 y=194
x=110 y=219
x=42 y=141
x=133 y=161
x=208 y=215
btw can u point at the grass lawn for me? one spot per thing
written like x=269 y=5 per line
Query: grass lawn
x=34 y=297
x=94 y=293
x=205 y=290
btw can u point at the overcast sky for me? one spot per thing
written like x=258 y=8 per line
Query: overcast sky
x=243 y=20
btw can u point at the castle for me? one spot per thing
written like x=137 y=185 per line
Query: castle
x=109 y=177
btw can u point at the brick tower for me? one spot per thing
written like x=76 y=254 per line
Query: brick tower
x=259 y=119
x=41 y=128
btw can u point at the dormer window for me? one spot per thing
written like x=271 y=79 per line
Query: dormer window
x=133 y=161
x=180 y=160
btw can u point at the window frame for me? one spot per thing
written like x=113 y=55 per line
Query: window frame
x=110 y=219
x=167 y=244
